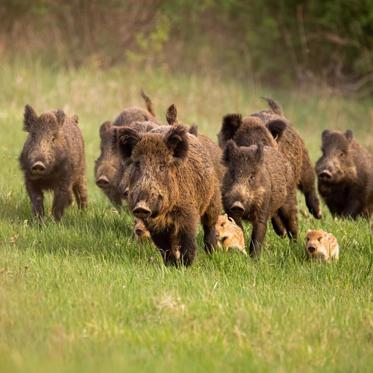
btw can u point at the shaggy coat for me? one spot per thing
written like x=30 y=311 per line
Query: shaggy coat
x=258 y=185
x=271 y=128
x=53 y=159
x=345 y=175
x=172 y=186
x=108 y=166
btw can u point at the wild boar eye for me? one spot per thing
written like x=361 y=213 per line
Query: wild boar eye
x=319 y=239
x=251 y=177
x=342 y=154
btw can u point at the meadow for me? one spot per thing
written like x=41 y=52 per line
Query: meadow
x=82 y=295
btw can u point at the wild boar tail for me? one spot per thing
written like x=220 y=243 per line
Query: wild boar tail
x=148 y=103
x=273 y=105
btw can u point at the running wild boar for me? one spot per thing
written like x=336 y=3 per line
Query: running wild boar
x=172 y=186
x=271 y=128
x=345 y=175
x=53 y=159
x=259 y=185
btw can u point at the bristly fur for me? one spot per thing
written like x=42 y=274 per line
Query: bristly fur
x=148 y=103
x=56 y=144
x=348 y=191
x=274 y=106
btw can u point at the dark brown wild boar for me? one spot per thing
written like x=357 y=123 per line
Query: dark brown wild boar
x=272 y=129
x=53 y=159
x=259 y=184
x=173 y=185
x=108 y=164
x=345 y=175
x=109 y=168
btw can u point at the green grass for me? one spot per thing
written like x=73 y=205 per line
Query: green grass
x=82 y=295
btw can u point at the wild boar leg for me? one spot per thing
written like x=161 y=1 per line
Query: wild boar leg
x=353 y=206
x=62 y=199
x=307 y=187
x=257 y=236
x=188 y=247
x=80 y=193
x=288 y=214
x=36 y=197
x=278 y=225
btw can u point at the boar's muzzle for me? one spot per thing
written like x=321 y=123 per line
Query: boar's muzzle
x=38 y=168
x=237 y=208
x=141 y=210
x=102 y=182
x=325 y=174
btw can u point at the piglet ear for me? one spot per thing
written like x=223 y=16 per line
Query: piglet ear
x=277 y=128
x=176 y=140
x=229 y=152
x=231 y=123
x=105 y=128
x=349 y=135
x=30 y=118
x=325 y=134
x=127 y=139
x=171 y=115
x=60 y=116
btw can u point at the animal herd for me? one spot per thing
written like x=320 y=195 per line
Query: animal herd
x=172 y=178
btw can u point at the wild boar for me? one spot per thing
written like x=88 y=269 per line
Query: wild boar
x=107 y=165
x=229 y=234
x=172 y=185
x=321 y=245
x=109 y=168
x=53 y=159
x=345 y=175
x=258 y=185
x=272 y=129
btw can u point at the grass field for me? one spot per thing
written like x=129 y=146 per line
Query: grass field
x=82 y=295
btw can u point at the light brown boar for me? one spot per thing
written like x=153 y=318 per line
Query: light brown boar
x=229 y=234
x=53 y=159
x=321 y=245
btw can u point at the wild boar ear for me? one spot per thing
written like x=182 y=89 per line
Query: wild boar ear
x=105 y=128
x=277 y=128
x=325 y=134
x=127 y=139
x=229 y=151
x=193 y=130
x=349 y=136
x=231 y=123
x=60 y=115
x=171 y=115
x=29 y=119
x=176 y=140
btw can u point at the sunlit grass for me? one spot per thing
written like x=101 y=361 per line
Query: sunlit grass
x=83 y=295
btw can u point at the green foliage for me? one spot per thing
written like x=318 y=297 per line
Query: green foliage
x=276 y=42
x=82 y=295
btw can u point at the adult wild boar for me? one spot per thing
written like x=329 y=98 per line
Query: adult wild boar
x=53 y=159
x=172 y=186
x=270 y=128
x=259 y=184
x=108 y=164
x=345 y=175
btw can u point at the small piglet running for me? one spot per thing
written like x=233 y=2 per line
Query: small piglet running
x=53 y=159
